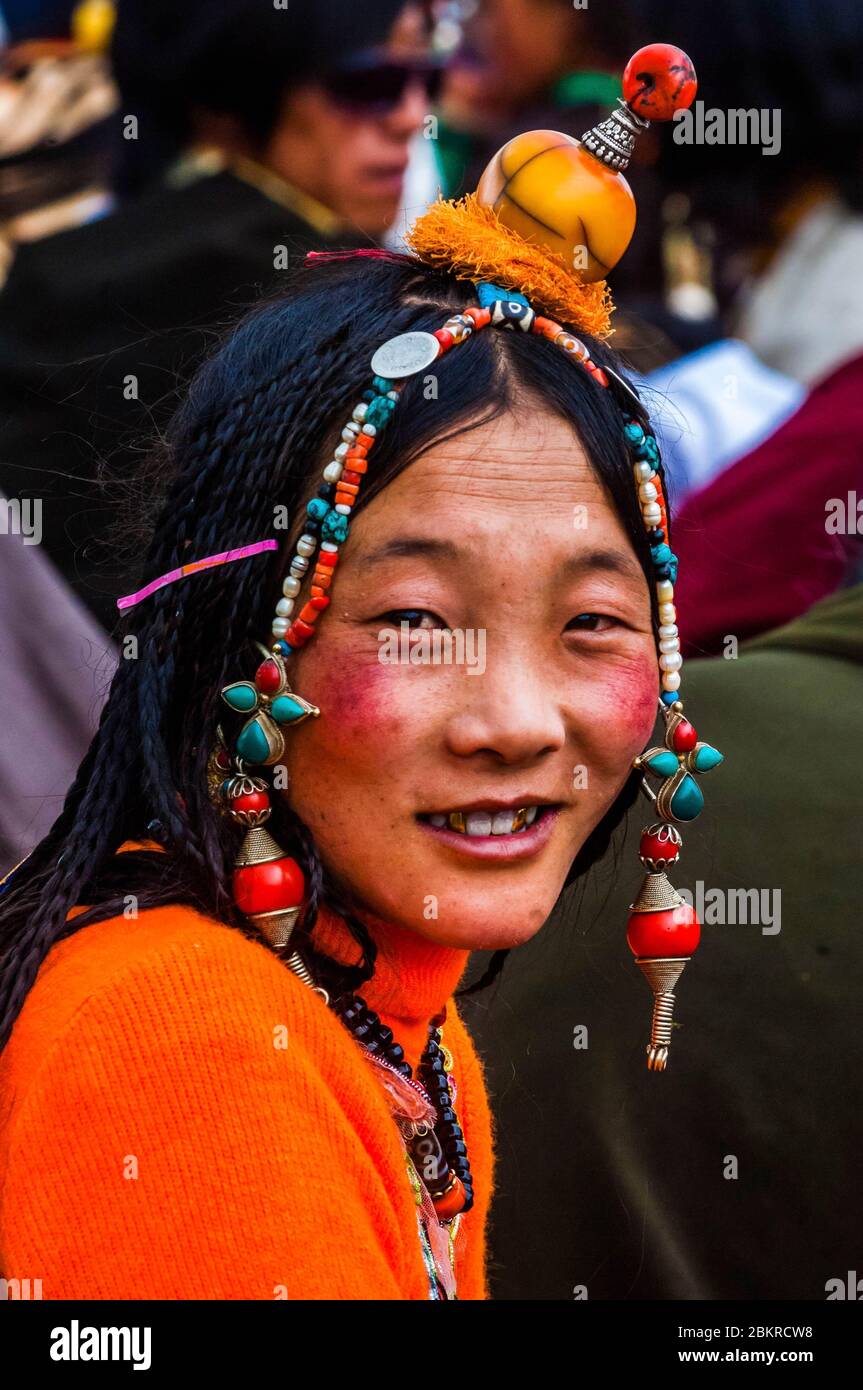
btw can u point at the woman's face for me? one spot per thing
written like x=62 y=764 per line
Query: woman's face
x=505 y=536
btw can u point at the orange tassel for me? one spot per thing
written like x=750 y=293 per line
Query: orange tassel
x=473 y=243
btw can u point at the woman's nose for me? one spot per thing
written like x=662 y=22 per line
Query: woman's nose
x=513 y=711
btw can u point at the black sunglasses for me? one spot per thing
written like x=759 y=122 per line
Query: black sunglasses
x=375 y=86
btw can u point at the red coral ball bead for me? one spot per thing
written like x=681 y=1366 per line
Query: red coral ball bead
x=250 y=801
x=651 y=847
x=659 y=80
x=684 y=737
x=674 y=932
x=269 y=887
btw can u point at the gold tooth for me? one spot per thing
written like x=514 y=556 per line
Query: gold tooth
x=456 y=821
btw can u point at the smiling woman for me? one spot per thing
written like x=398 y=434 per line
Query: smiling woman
x=187 y=1035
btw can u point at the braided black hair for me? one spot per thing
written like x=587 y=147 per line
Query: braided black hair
x=252 y=436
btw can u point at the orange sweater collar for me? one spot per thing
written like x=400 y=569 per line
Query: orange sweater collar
x=414 y=977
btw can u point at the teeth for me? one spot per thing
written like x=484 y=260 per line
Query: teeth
x=486 y=823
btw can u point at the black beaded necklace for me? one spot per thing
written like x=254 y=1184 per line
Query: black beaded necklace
x=440 y=1154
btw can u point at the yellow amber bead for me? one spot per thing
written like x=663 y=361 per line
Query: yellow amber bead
x=548 y=188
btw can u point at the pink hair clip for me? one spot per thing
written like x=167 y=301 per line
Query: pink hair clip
x=224 y=558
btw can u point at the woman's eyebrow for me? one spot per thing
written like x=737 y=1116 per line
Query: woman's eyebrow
x=409 y=547
x=572 y=567
x=612 y=561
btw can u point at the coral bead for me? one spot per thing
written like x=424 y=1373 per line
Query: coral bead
x=452 y=1202
x=269 y=887
x=268 y=677
x=652 y=847
x=548 y=188
x=250 y=801
x=673 y=932
x=684 y=737
x=659 y=80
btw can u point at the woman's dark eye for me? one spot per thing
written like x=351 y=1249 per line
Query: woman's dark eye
x=413 y=617
x=590 y=622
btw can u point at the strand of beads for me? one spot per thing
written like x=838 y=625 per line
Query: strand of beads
x=327 y=518
x=441 y=1155
x=644 y=451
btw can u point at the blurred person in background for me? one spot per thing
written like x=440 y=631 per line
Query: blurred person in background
x=56 y=99
x=786 y=232
x=252 y=135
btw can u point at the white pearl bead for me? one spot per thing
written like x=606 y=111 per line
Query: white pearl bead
x=665 y=591
x=350 y=431
x=671 y=681
x=668 y=630
x=667 y=613
x=340 y=450
x=285 y=607
x=651 y=513
x=333 y=472
x=343 y=508
x=647 y=492
x=329 y=545
x=290 y=587
x=643 y=472
x=370 y=430
x=306 y=545
x=672 y=662
x=392 y=395
x=280 y=627
x=361 y=411
x=670 y=644
x=299 y=565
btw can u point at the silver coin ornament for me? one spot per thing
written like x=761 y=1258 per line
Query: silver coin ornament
x=405 y=355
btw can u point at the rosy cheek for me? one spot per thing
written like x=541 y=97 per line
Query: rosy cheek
x=362 y=701
x=623 y=702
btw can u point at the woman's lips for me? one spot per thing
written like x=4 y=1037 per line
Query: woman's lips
x=520 y=845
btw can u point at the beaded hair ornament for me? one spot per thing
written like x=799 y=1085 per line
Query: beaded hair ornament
x=550 y=217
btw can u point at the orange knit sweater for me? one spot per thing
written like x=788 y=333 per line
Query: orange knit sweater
x=181 y=1117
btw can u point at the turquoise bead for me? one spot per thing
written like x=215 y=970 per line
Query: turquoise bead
x=666 y=764
x=318 y=508
x=381 y=384
x=379 y=411
x=687 y=801
x=285 y=710
x=335 y=526
x=242 y=697
x=252 y=744
x=706 y=757
x=669 y=696
x=661 y=554
x=633 y=433
x=649 y=449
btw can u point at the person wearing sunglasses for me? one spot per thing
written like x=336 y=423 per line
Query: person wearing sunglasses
x=248 y=135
